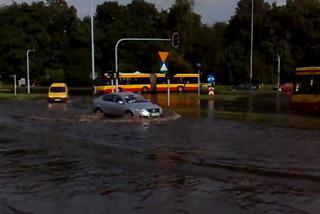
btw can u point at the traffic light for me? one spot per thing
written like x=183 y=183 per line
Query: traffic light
x=175 y=40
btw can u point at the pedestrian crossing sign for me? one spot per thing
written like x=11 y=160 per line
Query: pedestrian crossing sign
x=164 y=68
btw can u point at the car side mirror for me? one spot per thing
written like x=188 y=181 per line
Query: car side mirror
x=120 y=102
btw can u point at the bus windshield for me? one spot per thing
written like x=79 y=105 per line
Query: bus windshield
x=307 y=85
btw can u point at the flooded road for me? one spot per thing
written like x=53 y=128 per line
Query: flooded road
x=58 y=158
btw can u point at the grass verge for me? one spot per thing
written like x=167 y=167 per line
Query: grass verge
x=22 y=96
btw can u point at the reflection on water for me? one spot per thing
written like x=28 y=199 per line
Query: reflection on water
x=188 y=104
x=211 y=108
x=57 y=106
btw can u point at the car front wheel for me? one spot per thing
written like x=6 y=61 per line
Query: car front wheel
x=99 y=113
x=128 y=115
x=145 y=89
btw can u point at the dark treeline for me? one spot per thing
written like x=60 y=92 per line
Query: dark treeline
x=63 y=45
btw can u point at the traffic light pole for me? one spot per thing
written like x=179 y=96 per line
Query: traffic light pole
x=168 y=91
x=116 y=54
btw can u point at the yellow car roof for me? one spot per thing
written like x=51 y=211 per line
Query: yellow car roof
x=58 y=84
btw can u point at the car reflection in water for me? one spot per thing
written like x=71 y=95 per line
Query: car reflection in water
x=57 y=106
x=125 y=104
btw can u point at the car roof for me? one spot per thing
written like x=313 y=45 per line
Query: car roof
x=122 y=94
x=58 y=84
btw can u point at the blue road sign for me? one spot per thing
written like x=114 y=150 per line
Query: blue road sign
x=164 y=67
x=211 y=78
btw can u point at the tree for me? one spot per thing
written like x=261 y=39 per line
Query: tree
x=62 y=40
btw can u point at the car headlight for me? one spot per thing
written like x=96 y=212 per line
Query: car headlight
x=143 y=112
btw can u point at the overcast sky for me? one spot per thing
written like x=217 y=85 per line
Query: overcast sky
x=211 y=10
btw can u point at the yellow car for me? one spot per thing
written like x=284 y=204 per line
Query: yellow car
x=58 y=92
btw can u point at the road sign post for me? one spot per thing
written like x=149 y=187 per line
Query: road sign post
x=199 y=65
x=163 y=56
x=168 y=91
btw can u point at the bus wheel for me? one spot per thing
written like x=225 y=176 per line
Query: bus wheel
x=145 y=89
x=180 y=89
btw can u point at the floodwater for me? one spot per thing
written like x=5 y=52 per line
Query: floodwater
x=58 y=158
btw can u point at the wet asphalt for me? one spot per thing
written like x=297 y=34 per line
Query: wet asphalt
x=59 y=158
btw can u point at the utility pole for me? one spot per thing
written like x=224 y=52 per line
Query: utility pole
x=251 y=45
x=92 y=44
x=278 y=59
x=28 y=70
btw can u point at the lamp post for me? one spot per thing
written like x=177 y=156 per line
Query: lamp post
x=278 y=59
x=92 y=44
x=28 y=70
x=251 y=45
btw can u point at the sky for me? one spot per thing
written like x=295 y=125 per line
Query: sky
x=211 y=10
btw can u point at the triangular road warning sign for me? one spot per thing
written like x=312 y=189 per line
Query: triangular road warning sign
x=163 y=55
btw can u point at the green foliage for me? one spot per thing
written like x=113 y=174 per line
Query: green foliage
x=63 y=44
x=55 y=75
x=51 y=28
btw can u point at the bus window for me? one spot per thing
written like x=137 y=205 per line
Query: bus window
x=307 y=85
x=186 y=80
x=316 y=85
x=191 y=80
x=134 y=81
x=161 y=80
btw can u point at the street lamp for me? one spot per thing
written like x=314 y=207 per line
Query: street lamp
x=251 y=45
x=28 y=72
x=278 y=59
x=92 y=44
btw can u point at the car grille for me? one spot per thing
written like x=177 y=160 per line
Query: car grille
x=153 y=110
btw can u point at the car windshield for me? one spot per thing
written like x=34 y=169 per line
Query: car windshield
x=134 y=99
x=57 y=89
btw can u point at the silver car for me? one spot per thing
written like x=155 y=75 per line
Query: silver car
x=125 y=104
